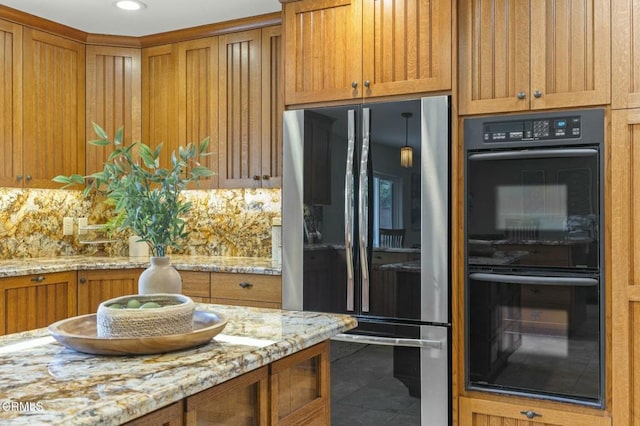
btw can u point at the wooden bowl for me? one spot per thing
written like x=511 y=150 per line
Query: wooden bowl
x=79 y=333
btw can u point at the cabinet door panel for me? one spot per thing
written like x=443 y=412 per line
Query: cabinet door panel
x=97 y=286
x=477 y=412
x=10 y=104
x=570 y=53
x=625 y=275
x=198 y=99
x=406 y=46
x=239 y=99
x=323 y=50
x=272 y=107
x=159 y=94
x=54 y=107
x=625 y=44
x=493 y=54
x=113 y=98
x=36 y=301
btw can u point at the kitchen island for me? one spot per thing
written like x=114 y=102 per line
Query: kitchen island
x=42 y=382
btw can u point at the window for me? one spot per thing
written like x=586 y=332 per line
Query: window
x=387 y=204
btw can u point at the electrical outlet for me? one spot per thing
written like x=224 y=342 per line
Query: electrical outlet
x=82 y=225
x=67 y=226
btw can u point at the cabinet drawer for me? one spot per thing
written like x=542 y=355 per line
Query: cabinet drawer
x=384 y=257
x=196 y=284
x=262 y=288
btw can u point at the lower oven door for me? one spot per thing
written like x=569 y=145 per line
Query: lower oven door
x=383 y=380
x=538 y=336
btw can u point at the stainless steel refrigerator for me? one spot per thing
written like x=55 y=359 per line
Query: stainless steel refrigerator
x=366 y=231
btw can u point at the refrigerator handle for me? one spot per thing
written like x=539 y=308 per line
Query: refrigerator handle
x=348 y=207
x=363 y=209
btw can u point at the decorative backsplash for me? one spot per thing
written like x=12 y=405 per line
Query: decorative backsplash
x=222 y=222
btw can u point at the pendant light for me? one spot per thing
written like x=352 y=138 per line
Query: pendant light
x=406 y=152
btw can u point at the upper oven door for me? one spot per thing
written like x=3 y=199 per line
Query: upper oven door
x=534 y=208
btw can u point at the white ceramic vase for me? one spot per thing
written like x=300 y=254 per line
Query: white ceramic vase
x=160 y=277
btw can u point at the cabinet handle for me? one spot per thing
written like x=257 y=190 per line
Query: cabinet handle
x=537 y=94
x=19 y=177
x=245 y=284
x=266 y=177
x=29 y=177
x=367 y=83
x=354 y=84
x=38 y=279
x=521 y=95
x=530 y=414
x=83 y=280
x=256 y=177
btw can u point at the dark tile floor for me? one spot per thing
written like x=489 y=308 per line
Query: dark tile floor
x=364 y=391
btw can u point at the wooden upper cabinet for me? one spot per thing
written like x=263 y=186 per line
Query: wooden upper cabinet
x=353 y=49
x=625 y=275
x=406 y=46
x=239 y=94
x=272 y=107
x=198 y=99
x=323 y=50
x=10 y=104
x=53 y=108
x=159 y=95
x=517 y=55
x=625 y=51
x=113 y=98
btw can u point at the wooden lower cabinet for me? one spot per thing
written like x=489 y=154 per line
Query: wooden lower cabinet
x=262 y=291
x=300 y=387
x=96 y=286
x=196 y=285
x=291 y=391
x=480 y=412
x=35 y=301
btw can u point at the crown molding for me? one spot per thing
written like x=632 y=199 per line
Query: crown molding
x=42 y=24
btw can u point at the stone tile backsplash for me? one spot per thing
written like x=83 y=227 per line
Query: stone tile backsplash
x=222 y=222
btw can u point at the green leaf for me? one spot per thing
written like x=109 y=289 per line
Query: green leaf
x=204 y=145
x=117 y=139
x=201 y=171
x=99 y=131
x=99 y=142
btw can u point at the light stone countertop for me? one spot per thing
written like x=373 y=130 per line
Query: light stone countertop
x=29 y=266
x=58 y=386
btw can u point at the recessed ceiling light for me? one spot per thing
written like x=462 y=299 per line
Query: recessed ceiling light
x=130 y=5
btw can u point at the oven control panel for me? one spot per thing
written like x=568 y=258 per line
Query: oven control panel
x=532 y=129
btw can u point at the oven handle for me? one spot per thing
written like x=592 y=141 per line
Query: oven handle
x=530 y=279
x=389 y=341
x=534 y=153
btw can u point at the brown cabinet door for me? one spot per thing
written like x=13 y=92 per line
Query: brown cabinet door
x=246 y=289
x=10 y=104
x=240 y=401
x=159 y=94
x=54 y=108
x=239 y=122
x=406 y=46
x=113 y=98
x=196 y=285
x=493 y=56
x=97 y=286
x=36 y=301
x=625 y=256
x=198 y=99
x=625 y=54
x=570 y=62
x=272 y=107
x=477 y=412
x=323 y=50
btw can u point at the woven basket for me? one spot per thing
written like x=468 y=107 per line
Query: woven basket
x=175 y=316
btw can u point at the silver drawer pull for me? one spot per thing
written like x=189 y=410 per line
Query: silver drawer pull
x=245 y=284
x=38 y=279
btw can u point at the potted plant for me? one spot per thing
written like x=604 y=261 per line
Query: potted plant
x=145 y=196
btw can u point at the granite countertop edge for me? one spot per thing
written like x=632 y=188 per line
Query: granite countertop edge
x=29 y=266
x=88 y=389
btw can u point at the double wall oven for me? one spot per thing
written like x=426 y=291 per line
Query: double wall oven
x=534 y=255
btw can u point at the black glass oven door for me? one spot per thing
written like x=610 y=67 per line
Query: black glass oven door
x=534 y=208
x=535 y=336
